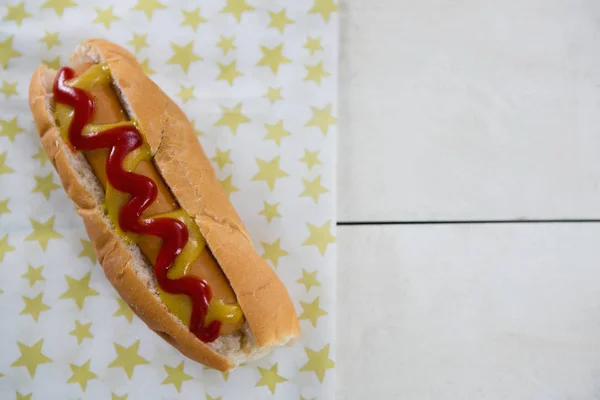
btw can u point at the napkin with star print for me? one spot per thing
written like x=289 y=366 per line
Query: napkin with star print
x=258 y=80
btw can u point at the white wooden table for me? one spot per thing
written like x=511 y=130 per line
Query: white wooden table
x=469 y=110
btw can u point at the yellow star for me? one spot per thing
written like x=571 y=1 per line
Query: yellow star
x=7 y=51
x=9 y=89
x=198 y=132
x=322 y=118
x=128 y=358
x=4 y=169
x=208 y=397
x=139 y=41
x=5 y=247
x=273 y=252
x=31 y=357
x=50 y=39
x=59 y=5
x=78 y=290
x=228 y=72
x=270 y=378
x=16 y=13
x=192 y=18
x=183 y=55
x=222 y=158
x=273 y=58
x=228 y=186
x=115 y=397
x=41 y=156
x=279 y=20
x=24 y=396
x=232 y=117
x=302 y=398
x=82 y=331
x=276 y=132
x=146 y=67
x=34 y=306
x=313 y=45
x=45 y=185
x=270 y=211
x=316 y=73
x=53 y=64
x=320 y=236
x=225 y=375
x=318 y=362
x=273 y=94
x=324 y=7
x=313 y=189
x=237 y=8
x=81 y=374
x=124 y=310
x=311 y=311
x=10 y=128
x=176 y=376
x=105 y=17
x=4 y=207
x=226 y=44
x=311 y=158
x=33 y=274
x=148 y=7
x=43 y=232
x=269 y=172
x=186 y=94
x=87 y=250
x=309 y=279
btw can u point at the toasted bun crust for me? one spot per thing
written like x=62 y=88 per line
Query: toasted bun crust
x=179 y=158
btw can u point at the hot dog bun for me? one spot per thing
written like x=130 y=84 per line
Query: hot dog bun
x=269 y=312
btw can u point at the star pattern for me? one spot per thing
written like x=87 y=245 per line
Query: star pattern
x=34 y=274
x=322 y=118
x=258 y=83
x=320 y=236
x=81 y=374
x=192 y=19
x=128 y=358
x=16 y=13
x=43 y=233
x=237 y=8
x=318 y=362
x=45 y=185
x=176 y=376
x=232 y=118
x=228 y=73
x=7 y=51
x=148 y=7
x=270 y=378
x=124 y=310
x=309 y=279
x=276 y=132
x=87 y=250
x=273 y=58
x=269 y=172
x=311 y=311
x=79 y=290
x=183 y=55
x=105 y=17
x=279 y=20
x=270 y=211
x=313 y=189
x=82 y=331
x=34 y=306
x=272 y=252
x=31 y=357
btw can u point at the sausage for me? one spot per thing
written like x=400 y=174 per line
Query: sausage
x=109 y=110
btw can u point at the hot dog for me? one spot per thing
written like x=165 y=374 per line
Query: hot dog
x=164 y=231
